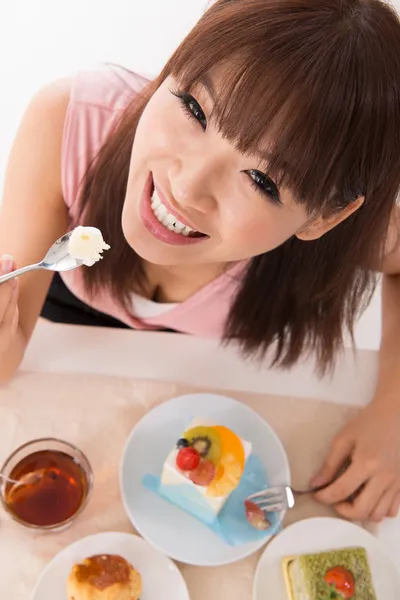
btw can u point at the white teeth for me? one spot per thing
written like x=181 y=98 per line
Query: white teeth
x=161 y=211
x=179 y=226
x=166 y=218
x=155 y=201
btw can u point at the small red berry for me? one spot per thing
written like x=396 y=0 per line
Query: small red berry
x=187 y=459
x=256 y=516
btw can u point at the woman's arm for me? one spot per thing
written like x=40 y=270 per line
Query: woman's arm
x=372 y=439
x=388 y=389
x=32 y=212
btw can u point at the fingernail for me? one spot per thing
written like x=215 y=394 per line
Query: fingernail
x=318 y=480
x=6 y=264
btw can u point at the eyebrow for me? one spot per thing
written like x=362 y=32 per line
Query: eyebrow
x=266 y=156
x=206 y=82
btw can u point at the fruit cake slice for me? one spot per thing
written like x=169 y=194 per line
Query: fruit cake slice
x=207 y=462
x=334 y=575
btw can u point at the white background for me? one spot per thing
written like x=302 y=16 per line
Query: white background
x=42 y=40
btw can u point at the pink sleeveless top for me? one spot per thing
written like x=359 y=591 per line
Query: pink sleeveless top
x=97 y=99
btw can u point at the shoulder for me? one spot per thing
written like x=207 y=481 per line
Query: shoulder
x=97 y=99
x=47 y=109
x=37 y=147
x=108 y=87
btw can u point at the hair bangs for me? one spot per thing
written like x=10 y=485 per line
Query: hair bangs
x=299 y=102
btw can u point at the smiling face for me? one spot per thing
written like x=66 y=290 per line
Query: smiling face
x=193 y=197
x=181 y=161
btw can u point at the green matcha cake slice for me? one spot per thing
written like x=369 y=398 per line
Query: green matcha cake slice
x=334 y=575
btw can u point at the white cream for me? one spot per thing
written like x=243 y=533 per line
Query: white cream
x=87 y=244
x=297 y=580
x=166 y=218
x=171 y=475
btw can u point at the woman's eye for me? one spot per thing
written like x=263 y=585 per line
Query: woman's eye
x=264 y=185
x=192 y=108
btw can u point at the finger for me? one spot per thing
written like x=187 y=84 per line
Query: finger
x=6 y=294
x=7 y=264
x=382 y=509
x=394 y=509
x=345 y=486
x=362 y=507
x=15 y=322
x=11 y=309
x=340 y=451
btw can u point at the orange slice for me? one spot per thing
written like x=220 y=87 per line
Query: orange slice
x=231 y=444
x=227 y=477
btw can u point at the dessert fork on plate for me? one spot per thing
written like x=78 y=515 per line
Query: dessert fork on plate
x=274 y=499
x=277 y=499
x=280 y=498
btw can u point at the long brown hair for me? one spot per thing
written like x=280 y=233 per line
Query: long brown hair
x=322 y=76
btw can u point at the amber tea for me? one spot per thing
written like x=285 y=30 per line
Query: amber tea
x=52 y=495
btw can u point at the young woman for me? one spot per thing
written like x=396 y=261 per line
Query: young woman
x=248 y=192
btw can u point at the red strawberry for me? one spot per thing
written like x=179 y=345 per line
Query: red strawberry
x=342 y=580
x=256 y=516
x=187 y=459
x=204 y=474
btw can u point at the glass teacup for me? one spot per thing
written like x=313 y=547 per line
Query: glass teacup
x=53 y=483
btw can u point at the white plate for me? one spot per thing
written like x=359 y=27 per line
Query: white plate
x=317 y=535
x=168 y=528
x=168 y=583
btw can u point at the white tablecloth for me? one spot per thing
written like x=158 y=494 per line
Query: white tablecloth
x=170 y=357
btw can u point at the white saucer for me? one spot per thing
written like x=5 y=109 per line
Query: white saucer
x=317 y=535
x=168 y=528
x=168 y=582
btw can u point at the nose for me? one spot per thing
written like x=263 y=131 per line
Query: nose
x=191 y=184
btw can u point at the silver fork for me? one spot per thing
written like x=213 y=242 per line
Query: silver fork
x=276 y=499
x=281 y=498
x=57 y=258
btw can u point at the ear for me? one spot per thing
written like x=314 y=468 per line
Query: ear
x=317 y=228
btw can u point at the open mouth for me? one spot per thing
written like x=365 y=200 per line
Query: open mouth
x=170 y=221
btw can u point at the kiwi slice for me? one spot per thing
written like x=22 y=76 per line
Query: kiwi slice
x=202 y=444
x=206 y=441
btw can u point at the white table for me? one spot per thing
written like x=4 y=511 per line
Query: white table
x=172 y=357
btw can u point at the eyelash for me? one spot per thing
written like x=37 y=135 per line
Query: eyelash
x=190 y=106
x=272 y=191
x=187 y=103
